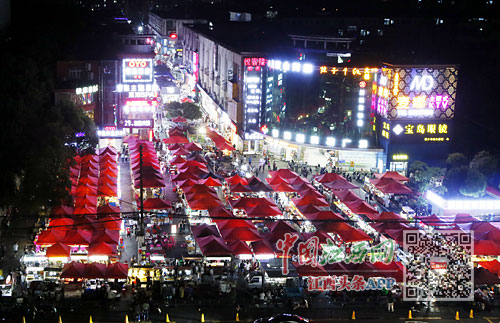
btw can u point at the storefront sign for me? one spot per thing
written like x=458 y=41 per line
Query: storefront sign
x=252 y=94
x=417 y=93
x=419 y=132
x=137 y=70
x=138 y=123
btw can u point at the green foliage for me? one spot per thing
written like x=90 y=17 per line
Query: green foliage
x=455 y=178
x=191 y=111
x=485 y=163
x=423 y=176
x=456 y=160
x=474 y=184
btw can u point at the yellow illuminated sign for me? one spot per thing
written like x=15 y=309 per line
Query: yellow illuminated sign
x=386 y=127
x=399 y=157
x=403 y=102
x=395 y=90
x=355 y=71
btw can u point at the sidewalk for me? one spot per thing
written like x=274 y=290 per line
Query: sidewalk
x=127 y=204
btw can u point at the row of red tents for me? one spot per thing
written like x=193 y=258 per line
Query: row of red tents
x=151 y=172
x=94 y=270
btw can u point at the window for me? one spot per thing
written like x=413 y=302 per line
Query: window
x=75 y=74
x=387 y=21
x=352 y=28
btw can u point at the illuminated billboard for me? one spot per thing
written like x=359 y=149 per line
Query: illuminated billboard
x=137 y=70
x=138 y=123
x=252 y=93
x=408 y=131
x=416 y=93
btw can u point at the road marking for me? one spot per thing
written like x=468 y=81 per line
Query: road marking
x=420 y=318
x=489 y=319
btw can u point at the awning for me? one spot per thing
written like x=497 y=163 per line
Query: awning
x=157 y=204
x=59 y=250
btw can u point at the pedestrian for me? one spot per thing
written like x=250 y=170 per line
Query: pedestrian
x=15 y=248
x=390 y=302
x=275 y=168
x=2 y=250
x=145 y=311
x=137 y=311
x=250 y=161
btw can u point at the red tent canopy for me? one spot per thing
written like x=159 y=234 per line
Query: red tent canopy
x=50 y=237
x=204 y=203
x=94 y=270
x=85 y=189
x=262 y=211
x=236 y=223
x=282 y=187
x=73 y=270
x=486 y=248
x=85 y=209
x=239 y=188
x=276 y=180
x=298 y=181
x=346 y=195
x=108 y=171
x=180 y=152
x=107 y=150
x=184 y=176
x=249 y=202
x=58 y=250
x=306 y=200
x=311 y=191
x=194 y=163
x=198 y=188
x=78 y=237
x=179 y=119
x=89 y=157
x=433 y=220
x=210 y=181
x=218 y=140
x=107 y=180
x=340 y=184
x=102 y=249
x=262 y=247
x=386 y=216
x=493 y=266
x=192 y=146
x=258 y=186
x=328 y=177
x=195 y=170
x=195 y=196
x=61 y=223
x=205 y=230
x=360 y=207
x=346 y=232
x=177 y=160
x=393 y=175
x=242 y=234
x=239 y=247
x=107 y=190
x=187 y=183
x=149 y=182
x=322 y=236
x=157 y=204
x=390 y=186
x=86 y=200
x=132 y=138
x=108 y=209
x=176 y=140
x=284 y=173
x=281 y=226
x=89 y=179
x=212 y=246
x=117 y=270
x=483 y=276
x=106 y=235
x=236 y=179
x=324 y=215
x=218 y=212
x=309 y=209
x=62 y=210
x=110 y=223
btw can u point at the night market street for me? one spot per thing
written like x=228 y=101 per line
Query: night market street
x=273 y=161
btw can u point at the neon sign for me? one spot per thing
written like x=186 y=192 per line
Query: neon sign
x=356 y=283
x=138 y=123
x=254 y=63
x=419 y=131
x=137 y=70
x=421 y=83
x=355 y=71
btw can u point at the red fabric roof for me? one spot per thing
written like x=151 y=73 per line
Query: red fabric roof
x=486 y=248
x=107 y=150
x=236 y=223
x=219 y=211
x=263 y=210
x=250 y=202
x=78 y=237
x=179 y=119
x=180 y=152
x=150 y=182
x=108 y=236
x=309 y=209
x=281 y=226
x=236 y=179
x=493 y=266
x=262 y=247
x=346 y=195
x=284 y=173
x=360 y=207
x=276 y=180
x=157 y=204
x=85 y=209
x=322 y=236
x=328 y=177
x=218 y=140
x=117 y=270
x=86 y=189
x=73 y=270
x=346 y=232
x=62 y=223
x=58 y=250
x=194 y=163
x=393 y=175
x=108 y=190
x=239 y=188
x=324 y=215
x=184 y=176
x=210 y=181
x=242 y=234
x=50 y=237
x=340 y=184
x=204 y=203
x=94 y=270
x=177 y=160
x=205 y=230
x=175 y=140
x=306 y=200
x=311 y=191
x=390 y=186
x=86 y=200
x=212 y=246
x=102 y=249
x=109 y=209
x=282 y=187
x=192 y=146
x=239 y=247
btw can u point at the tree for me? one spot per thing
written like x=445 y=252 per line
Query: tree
x=474 y=184
x=485 y=163
x=455 y=178
x=191 y=111
x=423 y=176
x=456 y=160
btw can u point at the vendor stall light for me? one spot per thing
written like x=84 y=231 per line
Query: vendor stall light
x=300 y=137
x=287 y=135
x=34 y=258
x=286 y=66
x=345 y=142
x=360 y=123
x=277 y=65
x=244 y=257
x=296 y=67
x=276 y=133
x=315 y=140
x=78 y=257
x=363 y=143
x=463 y=205
x=157 y=258
x=361 y=115
x=264 y=256
x=173 y=229
x=307 y=68
x=98 y=258
x=202 y=130
x=330 y=141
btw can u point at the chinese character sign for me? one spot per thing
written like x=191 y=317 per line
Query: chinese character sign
x=357 y=283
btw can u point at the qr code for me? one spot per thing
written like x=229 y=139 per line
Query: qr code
x=439 y=265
